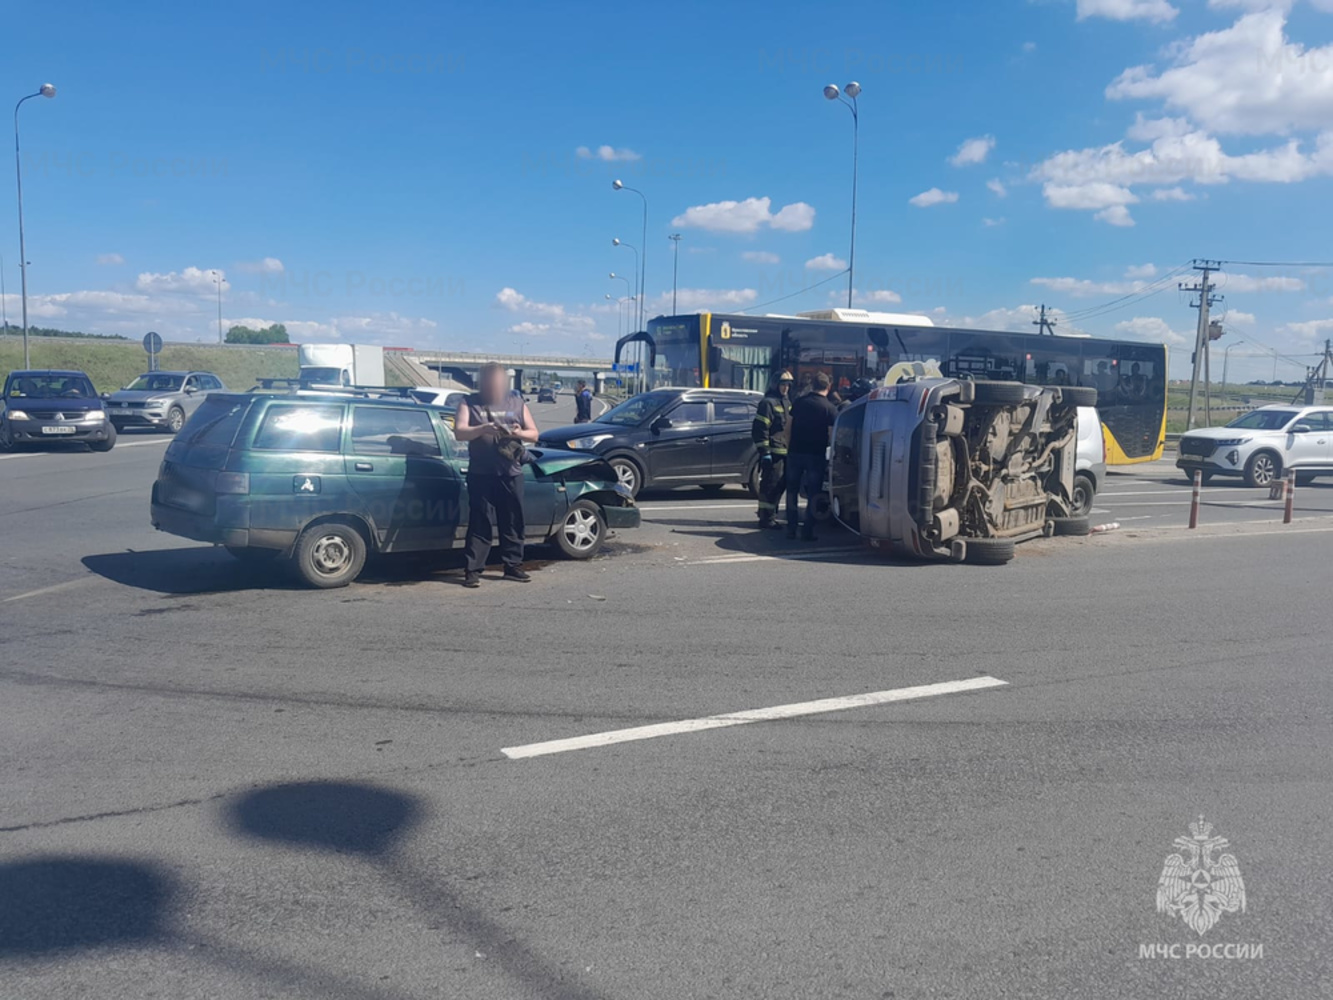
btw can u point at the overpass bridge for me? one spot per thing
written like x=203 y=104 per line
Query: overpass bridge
x=462 y=366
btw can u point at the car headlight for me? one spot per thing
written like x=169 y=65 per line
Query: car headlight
x=587 y=443
x=17 y=415
x=96 y=415
x=1233 y=442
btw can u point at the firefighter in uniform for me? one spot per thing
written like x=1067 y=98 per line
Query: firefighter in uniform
x=771 y=432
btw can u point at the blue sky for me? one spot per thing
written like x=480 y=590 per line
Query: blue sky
x=440 y=174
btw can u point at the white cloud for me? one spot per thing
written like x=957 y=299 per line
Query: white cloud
x=1234 y=317
x=1157 y=11
x=1248 y=79
x=1085 y=288
x=191 y=279
x=747 y=216
x=1229 y=282
x=990 y=223
x=933 y=197
x=1115 y=215
x=826 y=262
x=110 y=259
x=761 y=257
x=515 y=301
x=1141 y=271
x=879 y=297
x=1171 y=194
x=527 y=327
x=973 y=151
x=1152 y=329
x=265 y=265
x=607 y=154
x=996 y=187
x=1029 y=46
x=690 y=300
x=1309 y=330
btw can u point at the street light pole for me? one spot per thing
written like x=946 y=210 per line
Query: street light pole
x=45 y=90
x=1226 y=356
x=643 y=262
x=852 y=90
x=219 y=280
x=675 y=267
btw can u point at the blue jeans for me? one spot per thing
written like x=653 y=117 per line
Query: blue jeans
x=805 y=474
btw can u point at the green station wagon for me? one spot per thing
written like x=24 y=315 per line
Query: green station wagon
x=327 y=479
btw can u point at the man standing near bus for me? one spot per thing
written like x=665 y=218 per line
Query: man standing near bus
x=812 y=420
x=771 y=431
x=582 y=403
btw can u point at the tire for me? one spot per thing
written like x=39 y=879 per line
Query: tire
x=252 y=556
x=175 y=420
x=997 y=394
x=1262 y=469
x=6 y=442
x=1072 y=527
x=752 y=481
x=1085 y=493
x=628 y=473
x=331 y=554
x=582 y=531
x=823 y=506
x=1078 y=395
x=110 y=441
x=989 y=551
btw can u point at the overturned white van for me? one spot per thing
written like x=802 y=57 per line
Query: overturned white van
x=956 y=469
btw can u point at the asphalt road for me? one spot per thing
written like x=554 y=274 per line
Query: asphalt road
x=217 y=784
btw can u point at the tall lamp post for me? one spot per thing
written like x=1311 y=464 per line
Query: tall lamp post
x=852 y=91
x=219 y=280
x=643 y=262
x=46 y=90
x=675 y=267
x=1226 y=356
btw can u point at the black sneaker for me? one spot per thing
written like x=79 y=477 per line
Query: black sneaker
x=517 y=575
x=472 y=580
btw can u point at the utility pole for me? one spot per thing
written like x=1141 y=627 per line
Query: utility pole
x=1043 y=324
x=1204 y=289
x=1316 y=378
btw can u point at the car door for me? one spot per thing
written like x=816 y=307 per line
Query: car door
x=732 y=446
x=677 y=447
x=1308 y=448
x=394 y=462
x=192 y=394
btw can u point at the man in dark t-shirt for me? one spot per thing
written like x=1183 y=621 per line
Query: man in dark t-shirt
x=582 y=403
x=496 y=425
x=812 y=419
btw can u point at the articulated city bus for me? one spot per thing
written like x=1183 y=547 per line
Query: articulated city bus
x=744 y=352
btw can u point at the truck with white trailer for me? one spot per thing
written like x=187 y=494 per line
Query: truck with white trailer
x=341 y=364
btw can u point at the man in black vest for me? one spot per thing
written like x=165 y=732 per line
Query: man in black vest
x=496 y=425
x=812 y=420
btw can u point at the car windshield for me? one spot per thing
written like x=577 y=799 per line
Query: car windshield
x=635 y=410
x=1264 y=420
x=157 y=382
x=24 y=385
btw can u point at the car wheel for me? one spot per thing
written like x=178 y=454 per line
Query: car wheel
x=997 y=394
x=821 y=506
x=175 y=420
x=1262 y=468
x=6 y=442
x=1078 y=395
x=1085 y=491
x=582 y=532
x=752 y=480
x=246 y=554
x=989 y=551
x=628 y=474
x=331 y=554
x=1071 y=526
x=109 y=443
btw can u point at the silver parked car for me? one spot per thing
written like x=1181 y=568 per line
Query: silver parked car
x=955 y=469
x=162 y=400
x=1262 y=445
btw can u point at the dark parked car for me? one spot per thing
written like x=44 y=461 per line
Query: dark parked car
x=327 y=479
x=45 y=406
x=672 y=437
x=161 y=400
x=546 y=394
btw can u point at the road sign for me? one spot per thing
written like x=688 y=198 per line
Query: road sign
x=631 y=367
x=152 y=343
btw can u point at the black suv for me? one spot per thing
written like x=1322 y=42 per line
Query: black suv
x=672 y=437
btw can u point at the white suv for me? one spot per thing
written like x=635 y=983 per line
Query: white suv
x=1262 y=445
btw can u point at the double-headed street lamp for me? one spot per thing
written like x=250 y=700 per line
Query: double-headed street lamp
x=618 y=185
x=636 y=290
x=852 y=91
x=46 y=90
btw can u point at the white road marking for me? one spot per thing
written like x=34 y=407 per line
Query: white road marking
x=753 y=715
x=740 y=505
x=49 y=454
x=744 y=557
x=1180 y=489
x=50 y=590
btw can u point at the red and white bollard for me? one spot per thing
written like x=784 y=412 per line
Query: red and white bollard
x=1290 y=480
x=1194 y=500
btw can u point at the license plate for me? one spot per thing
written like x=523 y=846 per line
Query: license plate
x=59 y=430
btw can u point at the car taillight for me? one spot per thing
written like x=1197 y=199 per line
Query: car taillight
x=232 y=482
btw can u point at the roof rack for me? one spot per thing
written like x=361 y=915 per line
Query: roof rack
x=309 y=388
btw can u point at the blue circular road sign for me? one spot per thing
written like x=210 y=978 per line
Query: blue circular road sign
x=152 y=343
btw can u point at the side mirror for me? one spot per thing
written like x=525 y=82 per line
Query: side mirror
x=661 y=424
x=190 y=390
x=1301 y=429
x=106 y=395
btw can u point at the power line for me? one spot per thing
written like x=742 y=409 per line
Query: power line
x=783 y=298
x=1279 y=263
x=1155 y=287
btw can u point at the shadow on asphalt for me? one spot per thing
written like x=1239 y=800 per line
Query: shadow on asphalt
x=59 y=903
